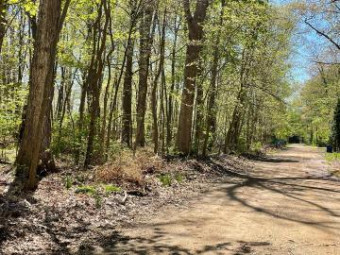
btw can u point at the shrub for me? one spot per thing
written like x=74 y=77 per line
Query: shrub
x=127 y=167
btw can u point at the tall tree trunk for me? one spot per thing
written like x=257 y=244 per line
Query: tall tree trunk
x=210 y=128
x=61 y=93
x=95 y=80
x=155 y=87
x=94 y=108
x=103 y=150
x=128 y=55
x=194 y=47
x=144 y=59
x=113 y=105
x=80 y=122
x=104 y=122
x=163 y=109
x=231 y=140
x=127 y=85
x=41 y=84
x=232 y=137
x=172 y=87
x=69 y=84
x=127 y=96
x=199 y=117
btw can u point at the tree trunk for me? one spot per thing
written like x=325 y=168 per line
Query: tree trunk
x=127 y=85
x=95 y=81
x=172 y=88
x=61 y=93
x=199 y=117
x=231 y=140
x=194 y=47
x=46 y=160
x=163 y=109
x=155 y=87
x=210 y=128
x=127 y=96
x=94 y=92
x=66 y=101
x=144 y=59
x=104 y=122
x=80 y=122
x=41 y=84
x=113 y=105
x=103 y=150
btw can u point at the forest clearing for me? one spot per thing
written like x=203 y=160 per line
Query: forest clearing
x=169 y=127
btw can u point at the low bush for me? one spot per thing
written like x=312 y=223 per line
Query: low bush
x=128 y=167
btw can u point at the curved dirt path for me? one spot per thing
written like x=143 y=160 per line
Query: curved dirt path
x=284 y=205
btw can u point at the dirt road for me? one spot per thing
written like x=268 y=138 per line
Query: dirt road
x=284 y=205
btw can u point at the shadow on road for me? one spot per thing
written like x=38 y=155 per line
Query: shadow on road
x=116 y=243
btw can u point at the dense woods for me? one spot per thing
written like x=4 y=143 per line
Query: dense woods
x=182 y=77
x=186 y=77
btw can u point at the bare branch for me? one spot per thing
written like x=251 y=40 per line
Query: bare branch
x=63 y=14
x=323 y=34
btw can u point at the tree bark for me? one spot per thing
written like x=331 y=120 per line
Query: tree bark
x=194 y=47
x=210 y=128
x=80 y=122
x=127 y=96
x=61 y=93
x=126 y=137
x=41 y=85
x=144 y=59
x=172 y=87
x=95 y=80
x=113 y=105
x=232 y=137
x=155 y=87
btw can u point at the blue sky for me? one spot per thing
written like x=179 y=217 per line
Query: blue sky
x=306 y=46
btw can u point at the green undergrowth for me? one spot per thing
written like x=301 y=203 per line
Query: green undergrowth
x=101 y=188
x=332 y=156
x=168 y=179
x=98 y=191
x=86 y=189
x=111 y=189
x=333 y=160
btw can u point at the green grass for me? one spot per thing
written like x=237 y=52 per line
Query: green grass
x=111 y=189
x=332 y=156
x=68 y=181
x=86 y=190
x=168 y=179
x=165 y=179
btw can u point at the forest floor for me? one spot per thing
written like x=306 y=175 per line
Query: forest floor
x=285 y=203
